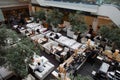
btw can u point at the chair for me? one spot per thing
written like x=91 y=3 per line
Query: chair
x=48 y=46
x=66 y=24
x=41 y=47
x=57 y=57
x=48 y=67
x=104 y=68
x=83 y=40
x=66 y=49
x=55 y=29
x=75 y=37
x=70 y=33
x=29 y=77
x=93 y=73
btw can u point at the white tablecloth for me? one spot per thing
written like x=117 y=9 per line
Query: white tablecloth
x=104 y=67
x=32 y=25
x=76 y=46
x=47 y=66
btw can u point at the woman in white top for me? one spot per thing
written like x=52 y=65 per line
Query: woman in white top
x=39 y=67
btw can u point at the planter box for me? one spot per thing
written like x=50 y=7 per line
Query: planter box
x=70 y=33
x=55 y=29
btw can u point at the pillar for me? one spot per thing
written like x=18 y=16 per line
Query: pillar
x=95 y=24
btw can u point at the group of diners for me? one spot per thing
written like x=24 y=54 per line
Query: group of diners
x=40 y=66
x=66 y=50
x=52 y=42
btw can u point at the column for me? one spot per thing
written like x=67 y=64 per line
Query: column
x=95 y=24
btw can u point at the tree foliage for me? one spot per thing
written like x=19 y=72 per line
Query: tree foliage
x=112 y=34
x=115 y=2
x=7 y=38
x=79 y=77
x=55 y=17
x=40 y=15
x=77 y=22
x=18 y=51
x=17 y=55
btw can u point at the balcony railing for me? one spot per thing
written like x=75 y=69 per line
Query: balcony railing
x=93 y=2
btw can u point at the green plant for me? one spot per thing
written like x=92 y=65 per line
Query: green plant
x=31 y=46
x=54 y=17
x=77 y=22
x=7 y=36
x=16 y=62
x=15 y=55
x=79 y=77
x=115 y=2
x=40 y=15
x=110 y=33
x=104 y=31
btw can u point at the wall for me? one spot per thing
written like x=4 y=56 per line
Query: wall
x=110 y=11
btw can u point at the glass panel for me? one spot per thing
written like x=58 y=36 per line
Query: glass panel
x=94 y=2
x=1 y=16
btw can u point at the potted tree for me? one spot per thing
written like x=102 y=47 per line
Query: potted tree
x=79 y=77
x=15 y=56
x=19 y=56
x=39 y=16
x=54 y=18
x=112 y=34
x=7 y=37
x=77 y=22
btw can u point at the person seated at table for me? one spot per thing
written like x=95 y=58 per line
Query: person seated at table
x=38 y=20
x=39 y=67
x=99 y=37
x=79 y=37
x=62 y=72
x=116 y=53
x=44 y=40
x=102 y=45
x=69 y=53
x=53 y=50
x=32 y=59
x=38 y=31
x=88 y=36
x=90 y=31
x=33 y=32
x=75 y=74
x=76 y=52
x=51 y=33
x=89 y=44
x=56 y=36
x=92 y=56
x=100 y=76
x=61 y=59
x=114 y=65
